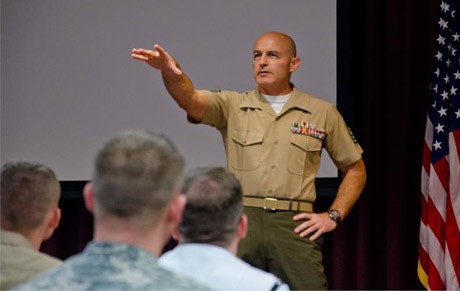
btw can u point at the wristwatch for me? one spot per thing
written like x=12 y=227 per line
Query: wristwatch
x=335 y=215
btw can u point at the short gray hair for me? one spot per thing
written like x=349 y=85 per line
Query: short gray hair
x=135 y=175
x=29 y=191
x=214 y=206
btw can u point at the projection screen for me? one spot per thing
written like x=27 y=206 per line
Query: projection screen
x=68 y=82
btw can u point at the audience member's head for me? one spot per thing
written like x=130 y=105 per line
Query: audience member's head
x=135 y=186
x=214 y=210
x=29 y=200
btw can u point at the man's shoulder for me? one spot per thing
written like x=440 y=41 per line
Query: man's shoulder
x=42 y=261
x=110 y=273
x=169 y=280
x=186 y=254
x=24 y=263
x=20 y=267
x=232 y=93
x=18 y=253
x=315 y=101
x=57 y=278
x=211 y=265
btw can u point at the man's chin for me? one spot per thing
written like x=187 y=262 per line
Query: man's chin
x=263 y=81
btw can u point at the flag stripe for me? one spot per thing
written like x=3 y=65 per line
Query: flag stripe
x=431 y=243
x=454 y=142
x=423 y=258
x=434 y=278
x=453 y=238
x=424 y=210
x=429 y=134
x=434 y=259
x=436 y=223
x=437 y=193
x=442 y=172
x=453 y=218
x=451 y=277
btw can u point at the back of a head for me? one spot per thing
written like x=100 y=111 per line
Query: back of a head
x=214 y=207
x=28 y=192
x=135 y=175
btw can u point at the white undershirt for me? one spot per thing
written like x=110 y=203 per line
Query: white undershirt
x=277 y=102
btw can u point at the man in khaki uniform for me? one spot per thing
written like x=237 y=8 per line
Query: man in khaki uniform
x=273 y=137
x=30 y=214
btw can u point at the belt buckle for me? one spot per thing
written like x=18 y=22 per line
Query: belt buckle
x=270 y=200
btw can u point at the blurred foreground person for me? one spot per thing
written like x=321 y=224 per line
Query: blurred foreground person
x=211 y=229
x=30 y=214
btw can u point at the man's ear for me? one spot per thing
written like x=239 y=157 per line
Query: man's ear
x=52 y=221
x=242 y=229
x=89 y=196
x=56 y=217
x=295 y=64
x=176 y=209
x=175 y=234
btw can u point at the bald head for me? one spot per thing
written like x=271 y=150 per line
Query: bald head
x=281 y=38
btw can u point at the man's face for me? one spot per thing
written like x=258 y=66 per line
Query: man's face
x=273 y=60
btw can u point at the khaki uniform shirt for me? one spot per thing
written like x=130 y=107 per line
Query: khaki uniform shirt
x=279 y=155
x=20 y=262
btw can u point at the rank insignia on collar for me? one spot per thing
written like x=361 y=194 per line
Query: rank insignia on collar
x=309 y=129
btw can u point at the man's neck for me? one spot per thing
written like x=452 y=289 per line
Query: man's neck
x=275 y=90
x=233 y=247
x=152 y=240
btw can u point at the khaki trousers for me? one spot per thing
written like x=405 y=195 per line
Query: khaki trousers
x=273 y=246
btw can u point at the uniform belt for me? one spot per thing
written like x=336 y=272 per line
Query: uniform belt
x=271 y=203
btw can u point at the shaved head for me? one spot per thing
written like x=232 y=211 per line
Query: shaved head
x=283 y=38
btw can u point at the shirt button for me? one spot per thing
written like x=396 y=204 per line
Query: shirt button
x=276 y=142
x=273 y=166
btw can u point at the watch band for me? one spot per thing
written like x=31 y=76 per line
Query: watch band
x=335 y=215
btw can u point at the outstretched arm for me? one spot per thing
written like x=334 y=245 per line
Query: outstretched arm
x=178 y=84
x=354 y=178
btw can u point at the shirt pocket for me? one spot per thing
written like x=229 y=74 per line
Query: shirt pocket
x=245 y=149
x=304 y=154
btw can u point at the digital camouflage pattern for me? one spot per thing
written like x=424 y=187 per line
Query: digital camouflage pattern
x=111 y=266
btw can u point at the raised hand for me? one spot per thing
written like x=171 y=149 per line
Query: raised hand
x=158 y=59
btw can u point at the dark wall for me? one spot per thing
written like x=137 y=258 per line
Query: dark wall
x=387 y=52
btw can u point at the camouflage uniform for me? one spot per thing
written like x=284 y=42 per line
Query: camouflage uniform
x=111 y=266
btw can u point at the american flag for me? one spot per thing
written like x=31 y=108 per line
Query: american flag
x=439 y=247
